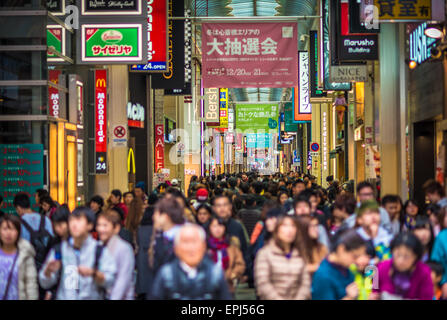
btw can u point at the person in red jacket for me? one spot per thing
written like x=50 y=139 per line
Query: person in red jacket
x=114 y=201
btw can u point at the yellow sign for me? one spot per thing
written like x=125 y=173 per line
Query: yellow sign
x=223 y=109
x=403 y=9
x=131 y=155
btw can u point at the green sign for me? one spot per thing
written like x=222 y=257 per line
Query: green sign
x=21 y=171
x=112 y=43
x=289 y=126
x=55 y=41
x=257 y=117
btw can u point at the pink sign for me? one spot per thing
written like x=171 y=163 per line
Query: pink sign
x=246 y=55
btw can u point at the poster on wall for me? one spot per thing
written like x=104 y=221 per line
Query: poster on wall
x=246 y=55
x=112 y=43
x=21 y=171
x=101 y=121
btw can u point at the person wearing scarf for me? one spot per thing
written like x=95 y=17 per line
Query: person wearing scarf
x=225 y=252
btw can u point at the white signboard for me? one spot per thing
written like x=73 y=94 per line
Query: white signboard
x=211 y=105
x=348 y=73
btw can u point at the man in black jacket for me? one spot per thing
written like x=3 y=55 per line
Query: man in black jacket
x=192 y=275
x=223 y=208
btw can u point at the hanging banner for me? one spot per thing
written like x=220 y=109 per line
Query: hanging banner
x=101 y=120
x=157 y=37
x=211 y=106
x=159 y=147
x=53 y=93
x=112 y=43
x=289 y=125
x=256 y=117
x=299 y=117
x=245 y=55
x=223 y=107
x=314 y=66
x=22 y=171
x=303 y=108
x=174 y=77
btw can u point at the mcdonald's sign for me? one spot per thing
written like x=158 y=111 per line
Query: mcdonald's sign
x=101 y=120
x=131 y=157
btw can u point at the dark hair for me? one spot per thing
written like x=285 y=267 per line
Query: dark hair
x=308 y=244
x=364 y=184
x=250 y=200
x=206 y=207
x=297 y=181
x=423 y=222
x=128 y=192
x=42 y=193
x=308 y=193
x=221 y=222
x=345 y=202
x=61 y=214
x=21 y=200
x=410 y=241
x=435 y=267
x=217 y=197
x=281 y=192
x=432 y=186
x=258 y=186
x=47 y=199
x=112 y=216
x=172 y=208
x=279 y=222
x=245 y=187
x=411 y=201
x=301 y=198
x=1 y=199
x=15 y=222
x=391 y=198
x=84 y=212
x=350 y=239
x=441 y=218
x=117 y=193
x=232 y=182
x=98 y=199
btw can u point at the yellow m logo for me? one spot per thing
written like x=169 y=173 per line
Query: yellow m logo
x=131 y=155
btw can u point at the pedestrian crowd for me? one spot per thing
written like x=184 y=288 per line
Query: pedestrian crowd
x=282 y=235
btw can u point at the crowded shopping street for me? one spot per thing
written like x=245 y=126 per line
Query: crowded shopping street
x=223 y=150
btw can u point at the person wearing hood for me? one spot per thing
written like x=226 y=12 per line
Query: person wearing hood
x=18 y=275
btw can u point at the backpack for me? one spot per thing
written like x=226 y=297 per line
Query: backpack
x=40 y=240
x=58 y=252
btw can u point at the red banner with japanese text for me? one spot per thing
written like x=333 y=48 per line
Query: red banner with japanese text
x=246 y=55
x=53 y=93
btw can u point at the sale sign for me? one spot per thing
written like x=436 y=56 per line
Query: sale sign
x=244 y=55
x=159 y=147
x=101 y=120
x=53 y=93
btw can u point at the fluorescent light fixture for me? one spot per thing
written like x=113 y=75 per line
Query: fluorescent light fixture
x=434 y=31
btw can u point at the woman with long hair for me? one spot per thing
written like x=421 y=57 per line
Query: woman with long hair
x=424 y=232
x=18 y=274
x=280 y=270
x=134 y=216
x=225 y=251
x=312 y=250
x=48 y=206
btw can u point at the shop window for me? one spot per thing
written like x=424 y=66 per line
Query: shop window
x=23 y=65
x=19 y=132
x=29 y=100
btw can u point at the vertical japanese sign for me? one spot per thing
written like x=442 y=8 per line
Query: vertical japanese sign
x=159 y=147
x=53 y=93
x=325 y=138
x=404 y=9
x=223 y=107
x=21 y=171
x=157 y=37
x=314 y=66
x=244 y=55
x=303 y=107
x=211 y=106
x=101 y=121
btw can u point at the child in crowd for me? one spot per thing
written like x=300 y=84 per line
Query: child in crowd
x=436 y=276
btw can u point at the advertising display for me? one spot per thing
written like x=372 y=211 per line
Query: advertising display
x=159 y=147
x=223 y=107
x=111 y=7
x=55 y=41
x=289 y=124
x=304 y=106
x=257 y=117
x=404 y=10
x=53 y=93
x=349 y=73
x=299 y=117
x=106 y=43
x=211 y=105
x=314 y=66
x=101 y=121
x=56 y=7
x=327 y=45
x=157 y=37
x=420 y=44
x=245 y=55
x=174 y=77
x=21 y=171
x=135 y=115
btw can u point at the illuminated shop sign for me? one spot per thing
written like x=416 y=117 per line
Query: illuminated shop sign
x=420 y=44
x=101 y=120
x=55 y=41
x=135 y=115
x=111 y=7
x=53 y=93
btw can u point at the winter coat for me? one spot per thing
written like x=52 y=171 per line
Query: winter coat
x=280 y=278
x=421 y=286
x=250 y=218
x=72 y=285
x=28 y=287
x=144 y=274
x=173 y=283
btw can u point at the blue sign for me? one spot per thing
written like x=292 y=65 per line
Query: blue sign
x=315 y=147
x=420 y=44
x=151 y=66
x=259 y=140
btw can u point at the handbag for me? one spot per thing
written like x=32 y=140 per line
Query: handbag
x=10 y=276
